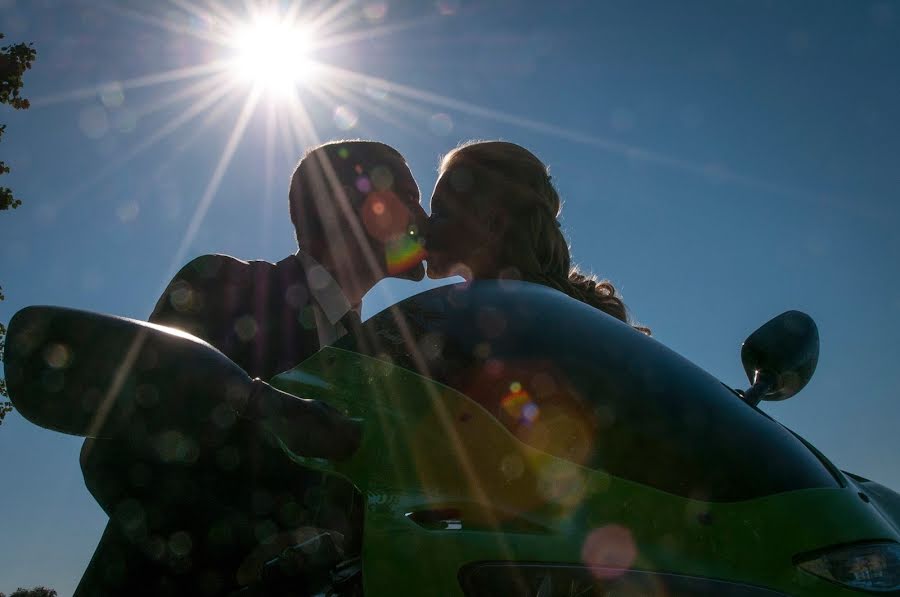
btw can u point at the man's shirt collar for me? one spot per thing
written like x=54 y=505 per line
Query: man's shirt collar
x=324 y=289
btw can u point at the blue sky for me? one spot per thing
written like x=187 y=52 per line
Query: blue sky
x=720 y=162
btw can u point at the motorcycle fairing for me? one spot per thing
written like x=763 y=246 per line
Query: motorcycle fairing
x=447 y=485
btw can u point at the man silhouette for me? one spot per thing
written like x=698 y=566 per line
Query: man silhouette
x=206 y=524
x=355 y=208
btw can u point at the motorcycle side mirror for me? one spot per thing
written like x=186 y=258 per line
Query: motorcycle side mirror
x=102 y=376
x=97 y=375
x=780 y=357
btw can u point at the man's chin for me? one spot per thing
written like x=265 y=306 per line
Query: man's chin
x=415 y=273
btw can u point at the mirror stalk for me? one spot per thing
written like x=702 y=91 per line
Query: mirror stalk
x=762 y=386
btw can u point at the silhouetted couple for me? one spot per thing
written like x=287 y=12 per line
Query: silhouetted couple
x=205 y=526
x=356 y=210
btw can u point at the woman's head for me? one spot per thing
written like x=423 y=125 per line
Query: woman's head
x=494 y=215
x=493 y=212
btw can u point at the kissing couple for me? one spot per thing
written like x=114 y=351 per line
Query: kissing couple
x=356 y=210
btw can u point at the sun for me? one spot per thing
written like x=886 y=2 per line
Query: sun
x=273 y=53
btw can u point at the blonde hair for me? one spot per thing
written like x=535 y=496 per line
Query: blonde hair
x=533 y=243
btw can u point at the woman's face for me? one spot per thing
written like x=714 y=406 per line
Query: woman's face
x=460 y=239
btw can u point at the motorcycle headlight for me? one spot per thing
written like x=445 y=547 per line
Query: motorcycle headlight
x=869 y=567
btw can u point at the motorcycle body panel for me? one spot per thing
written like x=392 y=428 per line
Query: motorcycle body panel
x=449 y=484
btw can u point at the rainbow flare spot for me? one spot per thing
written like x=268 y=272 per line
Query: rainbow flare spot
x=518 y=404
x=404 y=253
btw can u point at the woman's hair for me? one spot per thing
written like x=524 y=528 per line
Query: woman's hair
x=533 y=242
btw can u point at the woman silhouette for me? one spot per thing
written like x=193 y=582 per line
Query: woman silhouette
x=494 y=215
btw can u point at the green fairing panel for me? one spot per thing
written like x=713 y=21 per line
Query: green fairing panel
x=428 y=447
x=571 y=381
x=506 y=422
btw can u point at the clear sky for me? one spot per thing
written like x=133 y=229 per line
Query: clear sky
x=720 y=162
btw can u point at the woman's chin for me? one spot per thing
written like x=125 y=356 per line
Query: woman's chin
x=434 y=274
x=437 y=271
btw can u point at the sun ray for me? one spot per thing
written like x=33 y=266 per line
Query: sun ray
x=342 y=23
x=292 y=13
x=358 y=100
x=269 y=177
x=218 y=111
x=325 y=97
x=304 y=128
x=162 y=23
x=218 y=7
x=332 y=40
x=474 y=109
x=163 y=169
x=352 y=94
x=119 y=378
x=303 y=124
x=326 y=17
x=197 y=88
x=111 y=167
x=215 y=10
x=304 y=133
x=491 y=114
x=213 y=185
x=158 y=78
x=289 y=144
x=257 y=8
x=173 y=125
x=631 y=152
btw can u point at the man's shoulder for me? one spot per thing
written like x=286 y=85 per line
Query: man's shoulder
x=212 y=265
x=207 y=285
x=216 y=266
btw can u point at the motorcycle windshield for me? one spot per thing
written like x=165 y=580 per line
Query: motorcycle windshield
x=574 y=382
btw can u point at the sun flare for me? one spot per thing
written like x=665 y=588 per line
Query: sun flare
x=273 y=53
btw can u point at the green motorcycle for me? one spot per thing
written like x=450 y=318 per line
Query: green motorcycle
x=508 y=440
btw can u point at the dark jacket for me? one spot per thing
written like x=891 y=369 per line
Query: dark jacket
x=259 y=314
x=192 y=517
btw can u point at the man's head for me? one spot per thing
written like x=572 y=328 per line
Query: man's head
x=356 y=205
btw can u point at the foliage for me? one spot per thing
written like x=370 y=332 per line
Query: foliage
x=15 y=59
x=5 y=407
x=33 y=592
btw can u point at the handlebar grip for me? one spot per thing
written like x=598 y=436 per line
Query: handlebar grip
x=307 y=427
